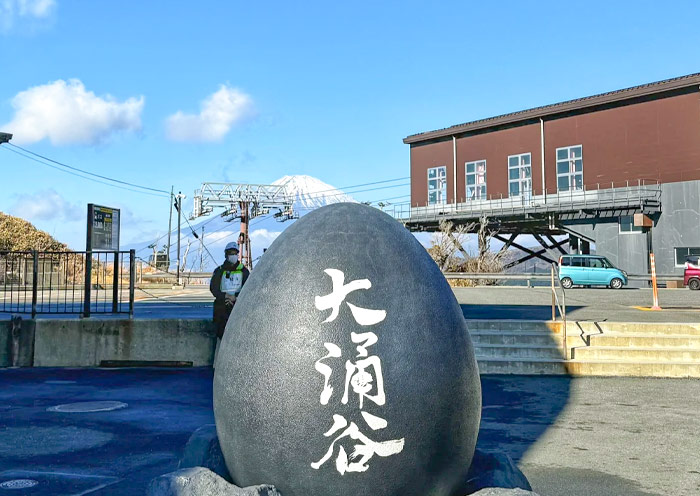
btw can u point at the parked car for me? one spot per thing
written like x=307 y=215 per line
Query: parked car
x=590 y=270
x=691 y=275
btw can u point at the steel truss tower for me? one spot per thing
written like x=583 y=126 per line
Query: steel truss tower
x=244 y=201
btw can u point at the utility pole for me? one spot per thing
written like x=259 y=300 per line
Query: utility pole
x=170 y=225
x=243 y=238
x=201 y=251
x=179 y=197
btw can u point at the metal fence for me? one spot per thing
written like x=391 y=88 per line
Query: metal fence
x=76 y=282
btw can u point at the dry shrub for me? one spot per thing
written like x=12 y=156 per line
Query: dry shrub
x=450 y=257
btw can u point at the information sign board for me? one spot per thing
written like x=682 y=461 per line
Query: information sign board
x=102 y=228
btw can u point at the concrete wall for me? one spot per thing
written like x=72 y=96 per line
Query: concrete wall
x=679 y=224
x=87 y=342
x=23 y=346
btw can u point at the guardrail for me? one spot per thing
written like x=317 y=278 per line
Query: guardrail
x=73 y=282
x=533 y=276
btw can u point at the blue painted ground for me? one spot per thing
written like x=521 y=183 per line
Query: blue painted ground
x=558 y=429
x=131 y=446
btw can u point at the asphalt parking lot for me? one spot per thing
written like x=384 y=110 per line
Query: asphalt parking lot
x=573 y=437
x=599 y=304
x=482 y=302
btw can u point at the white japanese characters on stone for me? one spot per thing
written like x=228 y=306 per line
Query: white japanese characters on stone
x=362 y=375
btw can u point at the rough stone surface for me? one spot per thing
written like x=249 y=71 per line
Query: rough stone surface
x=271 y=372
x=495 y=470
x=203 y=450
x=200 y=481
x=499 y=491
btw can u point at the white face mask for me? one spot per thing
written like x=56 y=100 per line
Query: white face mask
x=232 y=258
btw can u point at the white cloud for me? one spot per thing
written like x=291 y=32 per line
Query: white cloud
x=12 y=11
x=264 y=237
x=66 y=113
x=219 y=112
x=46 y=205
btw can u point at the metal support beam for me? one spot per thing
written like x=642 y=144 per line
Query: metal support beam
x=508 y=243
x=531 y=253
x=555 y=245
x=575 y=233
x=544 y=244
x=531 y=256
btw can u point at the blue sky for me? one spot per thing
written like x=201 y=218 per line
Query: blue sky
x=177 y=93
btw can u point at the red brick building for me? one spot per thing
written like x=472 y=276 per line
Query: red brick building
x=578 y=167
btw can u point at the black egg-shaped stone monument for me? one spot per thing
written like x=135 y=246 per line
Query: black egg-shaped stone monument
x=346 y=367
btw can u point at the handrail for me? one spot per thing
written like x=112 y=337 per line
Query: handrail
x=559 y=305
x=606 y=195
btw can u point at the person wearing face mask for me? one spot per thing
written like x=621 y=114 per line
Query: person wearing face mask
x=226 y=283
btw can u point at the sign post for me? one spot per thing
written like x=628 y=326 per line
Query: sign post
x=102 y=235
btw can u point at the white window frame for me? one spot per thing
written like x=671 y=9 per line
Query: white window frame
x=479 y=187
x=572 y=173
x=633 y=229
x=440 y=188
x=687 y=249
x=520 y=167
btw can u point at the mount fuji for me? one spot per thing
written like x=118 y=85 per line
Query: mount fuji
x=216 y=230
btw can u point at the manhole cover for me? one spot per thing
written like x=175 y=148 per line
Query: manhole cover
x=18 y=484
x=88 y=407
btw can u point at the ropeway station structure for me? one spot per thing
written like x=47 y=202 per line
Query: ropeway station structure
x=620 y=170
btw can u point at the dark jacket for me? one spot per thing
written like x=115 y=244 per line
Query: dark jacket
x=215 y=284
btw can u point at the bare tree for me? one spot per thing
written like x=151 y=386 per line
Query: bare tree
x=446 y=242
x=450 y=240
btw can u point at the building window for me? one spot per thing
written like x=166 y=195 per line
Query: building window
x=627 y=225
x=683 y=253
x=570 y=168
x=519 y=175
x=437 y=185
x=476 y=180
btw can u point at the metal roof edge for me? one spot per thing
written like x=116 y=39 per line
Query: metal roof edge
x=556 y=108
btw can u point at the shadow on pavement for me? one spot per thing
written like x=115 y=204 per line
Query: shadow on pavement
x=512 y=312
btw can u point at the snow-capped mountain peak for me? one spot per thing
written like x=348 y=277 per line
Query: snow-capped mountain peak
x=310 y=193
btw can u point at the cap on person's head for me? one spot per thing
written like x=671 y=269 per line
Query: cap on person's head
x=231 y=247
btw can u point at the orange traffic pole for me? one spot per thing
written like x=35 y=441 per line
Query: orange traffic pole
x=654 y=286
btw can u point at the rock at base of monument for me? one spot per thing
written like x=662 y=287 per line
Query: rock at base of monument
x=494 y=470
x=499 y=491
x=203 y=450
x=200 y=481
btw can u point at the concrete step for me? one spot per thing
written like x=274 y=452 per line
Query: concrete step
x=648 y=354
x=635 y=328
x=587 y=368
x=517 y=351
x=525 y=338
x=645 y=340
x=514 y=325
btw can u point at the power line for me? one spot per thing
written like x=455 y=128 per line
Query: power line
x=312 y=195
x=392 y=198
x=360 y=185
x=319 y=195
x=88 y=172
x=79 y=175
